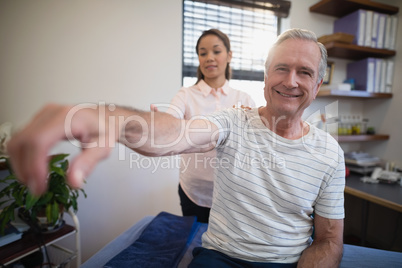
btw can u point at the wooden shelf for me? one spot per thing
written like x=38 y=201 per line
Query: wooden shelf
x=354 y=138
x=355 y=52
x=340 y=8
x=30 y=243
x=353 y=94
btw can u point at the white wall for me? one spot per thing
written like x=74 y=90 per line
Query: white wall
x=125 y=52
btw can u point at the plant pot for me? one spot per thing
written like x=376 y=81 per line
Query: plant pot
x=40 y=223
x=46 y=226
x=44 y=223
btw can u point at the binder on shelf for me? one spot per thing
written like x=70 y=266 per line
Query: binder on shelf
x=381 y=30
x=377 y=73
x=387 y=34
x=389 y=76
x=393 y=31
x=362 y=72
x=353 y=23
x=383 y=76
x=368 y=28
x=374 y=31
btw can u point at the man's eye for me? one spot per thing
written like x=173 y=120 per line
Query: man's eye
x=282 y=69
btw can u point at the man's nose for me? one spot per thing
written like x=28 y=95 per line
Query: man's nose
x=291 y=80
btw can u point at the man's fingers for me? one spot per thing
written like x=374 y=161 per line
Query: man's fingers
x=83 y=164
x=29 y=163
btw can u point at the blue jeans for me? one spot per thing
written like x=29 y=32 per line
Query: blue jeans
x=211 y=258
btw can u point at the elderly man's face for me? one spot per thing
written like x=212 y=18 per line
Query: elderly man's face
x=291 y=84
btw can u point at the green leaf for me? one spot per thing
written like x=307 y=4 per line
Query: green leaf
x=55 y=212
x=58 y=171
x=45 y=199
x=74 y=205
x=55 y=164
x=57 y=158
x=62 y=199
x=6 y=215
x=31 y=200
x=52 y=212
x=49 y=212
x=18 y=195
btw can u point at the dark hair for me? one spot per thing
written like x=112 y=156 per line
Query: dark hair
x=226 y=42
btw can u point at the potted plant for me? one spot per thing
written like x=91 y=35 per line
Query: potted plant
x=59 y=197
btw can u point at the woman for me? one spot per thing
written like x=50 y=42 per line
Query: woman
x=210 y=93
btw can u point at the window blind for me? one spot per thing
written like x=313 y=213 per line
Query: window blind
x=251 y=26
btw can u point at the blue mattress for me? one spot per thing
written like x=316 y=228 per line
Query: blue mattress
x=167 y=240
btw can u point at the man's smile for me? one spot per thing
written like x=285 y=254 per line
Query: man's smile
x=286 y=95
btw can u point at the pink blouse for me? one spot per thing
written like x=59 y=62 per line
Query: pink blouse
x=197 y=170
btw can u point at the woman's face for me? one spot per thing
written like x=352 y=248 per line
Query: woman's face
x=213 y=57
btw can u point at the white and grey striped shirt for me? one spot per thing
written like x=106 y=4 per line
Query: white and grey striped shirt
x=268 y=187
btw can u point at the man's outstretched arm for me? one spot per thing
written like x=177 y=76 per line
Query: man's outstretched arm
x=97 y=129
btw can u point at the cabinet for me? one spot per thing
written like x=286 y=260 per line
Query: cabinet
x=58 y=255
x=339 y=8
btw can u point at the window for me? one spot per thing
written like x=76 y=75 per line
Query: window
x=252 y=27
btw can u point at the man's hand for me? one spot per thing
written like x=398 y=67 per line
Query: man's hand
x=29 y=148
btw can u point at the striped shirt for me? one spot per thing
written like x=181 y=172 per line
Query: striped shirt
x=267 y=188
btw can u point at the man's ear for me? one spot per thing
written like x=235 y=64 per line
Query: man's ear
x=318 y=88
x=265 y=81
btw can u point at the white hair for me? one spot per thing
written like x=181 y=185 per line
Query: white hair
x=303 y=35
